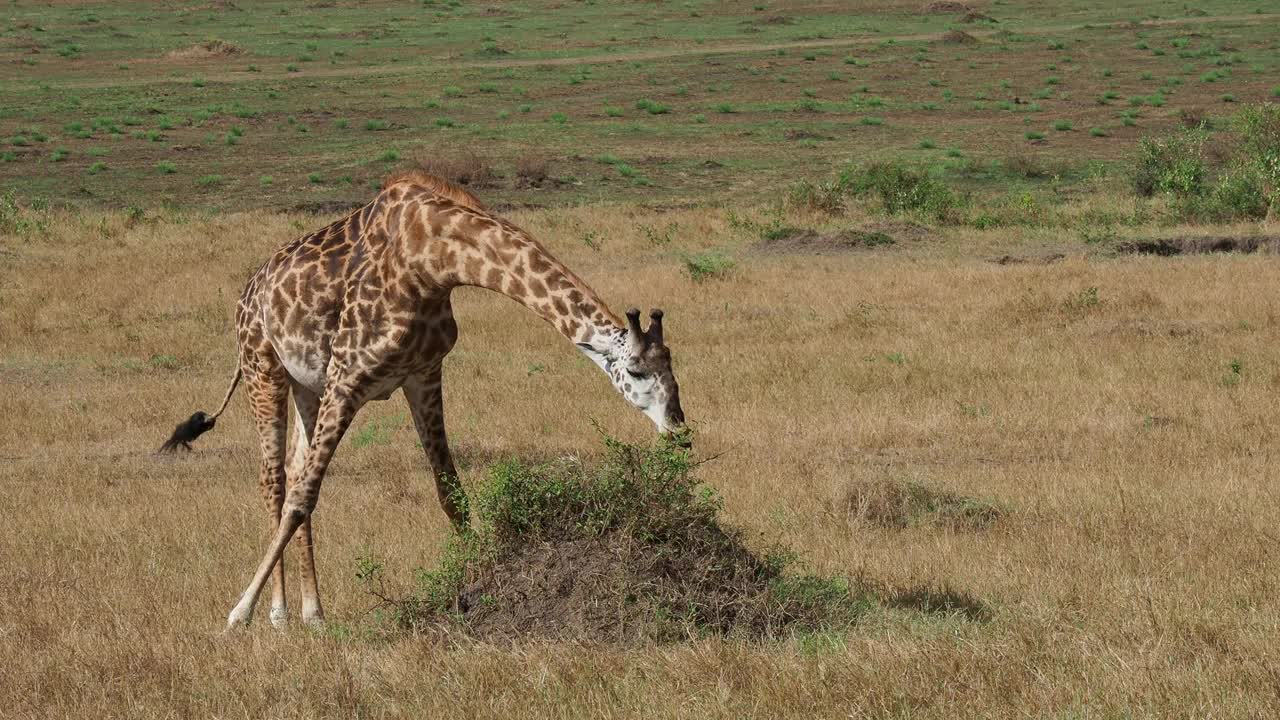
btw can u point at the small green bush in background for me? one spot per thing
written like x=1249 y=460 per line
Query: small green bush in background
x=708 y=265
x=901 y=189
x=1172 y=164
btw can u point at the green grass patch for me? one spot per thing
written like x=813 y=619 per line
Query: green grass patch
x=708 y=265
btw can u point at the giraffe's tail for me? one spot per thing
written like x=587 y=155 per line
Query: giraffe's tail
x=199 y=423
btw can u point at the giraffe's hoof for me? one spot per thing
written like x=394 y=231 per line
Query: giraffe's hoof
x=279 y=618
x=238 y=620
x=314 y=621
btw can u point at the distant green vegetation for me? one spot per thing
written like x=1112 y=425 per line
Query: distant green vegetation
x=334 y=101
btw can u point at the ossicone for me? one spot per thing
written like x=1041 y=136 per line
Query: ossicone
x=633 y=324
x=655 y=325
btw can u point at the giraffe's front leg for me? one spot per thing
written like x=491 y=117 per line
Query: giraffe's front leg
x=426 y=403
x=337 y=409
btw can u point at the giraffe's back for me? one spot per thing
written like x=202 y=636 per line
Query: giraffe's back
x=346 y=288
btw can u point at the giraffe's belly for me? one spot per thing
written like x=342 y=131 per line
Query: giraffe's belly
x=306 y=369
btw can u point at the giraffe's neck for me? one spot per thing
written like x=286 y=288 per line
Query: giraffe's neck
x=493 y=254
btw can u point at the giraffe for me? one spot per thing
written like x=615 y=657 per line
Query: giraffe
x=354 y=311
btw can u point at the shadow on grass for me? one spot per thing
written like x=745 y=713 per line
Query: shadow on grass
x=938 y=601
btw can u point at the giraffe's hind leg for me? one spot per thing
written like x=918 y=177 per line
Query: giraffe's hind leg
x=342 y=398
x=306 y=406
x=426 y=403
x=268 y=392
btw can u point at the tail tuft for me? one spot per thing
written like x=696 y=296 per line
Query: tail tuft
x=195 y=426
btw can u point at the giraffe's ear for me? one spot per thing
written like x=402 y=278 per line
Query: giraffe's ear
x=655 y=325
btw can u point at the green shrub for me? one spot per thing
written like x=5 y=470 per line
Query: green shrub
x=1245 y=185
x=166 y=167
x=1173 y=164
x=824 y=197
x=901 y=189
x=1238 y=193
x=653 y=108
x=708 y=265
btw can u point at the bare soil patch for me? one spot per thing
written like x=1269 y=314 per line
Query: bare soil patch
x=1200 y=245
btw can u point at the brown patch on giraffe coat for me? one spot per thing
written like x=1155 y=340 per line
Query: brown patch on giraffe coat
x=539 y=264
x=472 y=268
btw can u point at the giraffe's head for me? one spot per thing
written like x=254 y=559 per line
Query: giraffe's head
x=642 y=372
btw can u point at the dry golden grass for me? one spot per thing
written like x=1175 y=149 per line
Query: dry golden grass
x=1131 y=572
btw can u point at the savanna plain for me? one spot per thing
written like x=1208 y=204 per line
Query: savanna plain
x=973 y=310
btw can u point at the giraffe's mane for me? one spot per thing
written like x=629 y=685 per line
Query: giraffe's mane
x=438 y=185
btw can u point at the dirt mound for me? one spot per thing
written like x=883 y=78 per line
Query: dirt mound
x=207 y=49
x=629 y=551
x=1200 y=245
x=958 y=37
x=973 y=17
x=618 y=588
x=945 y=7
